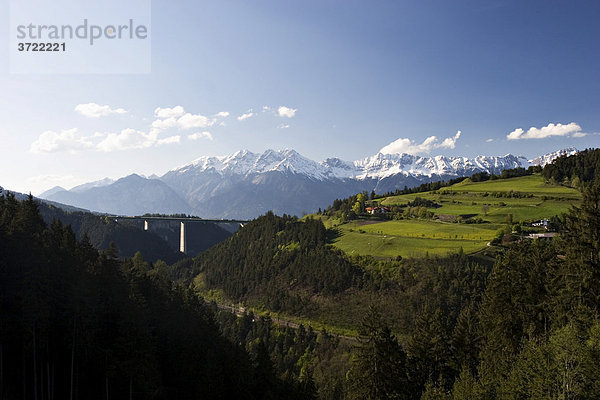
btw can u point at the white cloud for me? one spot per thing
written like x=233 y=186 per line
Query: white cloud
x=450 y=142
x=163 y=113
x=163 y=124
x=489 y=140
x=283 y=126
x=405 y=145
x=579 y=134
x=93 y=110
x=245 y=116
x=67 y=140
x=223 y=114
x=547 y=131
x=127 y=139
x=191 y=121
x=169 y=140
x=266 y=108
x=200 y=135
x=516 y=134
x=176 y=117
x=286 y=112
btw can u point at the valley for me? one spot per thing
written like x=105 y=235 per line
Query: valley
x=436 y=277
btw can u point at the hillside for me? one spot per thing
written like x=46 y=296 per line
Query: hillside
x=466 y=215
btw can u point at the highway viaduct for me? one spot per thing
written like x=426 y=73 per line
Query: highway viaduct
x=182 y=220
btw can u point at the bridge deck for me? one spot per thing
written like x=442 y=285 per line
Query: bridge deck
x=191 y=219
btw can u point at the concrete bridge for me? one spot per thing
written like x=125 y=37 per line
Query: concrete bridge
x=182 y=220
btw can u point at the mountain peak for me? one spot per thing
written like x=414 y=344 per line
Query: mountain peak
x=51 y=191
x=378 y=166
x=102 y=182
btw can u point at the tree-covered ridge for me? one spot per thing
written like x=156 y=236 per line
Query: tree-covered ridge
x=274 y=259
x=79 y=324
x=576 y=169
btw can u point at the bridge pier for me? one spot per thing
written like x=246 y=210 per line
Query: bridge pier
x=182 y=238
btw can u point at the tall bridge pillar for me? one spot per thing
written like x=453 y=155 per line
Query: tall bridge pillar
x=182 y=237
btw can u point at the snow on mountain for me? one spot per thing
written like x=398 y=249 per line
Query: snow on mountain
x=379 y=166
x=548 y=158
x=89 y=185
x=245 y=163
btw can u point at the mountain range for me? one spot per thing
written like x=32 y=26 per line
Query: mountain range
x=246 y=184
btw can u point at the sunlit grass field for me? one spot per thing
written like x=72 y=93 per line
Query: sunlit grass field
x=415 y=238
x=412 y=238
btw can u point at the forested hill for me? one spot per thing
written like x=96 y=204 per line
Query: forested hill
x=79 y=324
x=579 y=168
x=273 y=260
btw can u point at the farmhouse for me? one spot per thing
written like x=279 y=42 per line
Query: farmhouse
x=541 y=223
x=377 y=210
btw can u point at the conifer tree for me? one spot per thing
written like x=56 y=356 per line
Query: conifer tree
x=577 y=284
x=379 y=369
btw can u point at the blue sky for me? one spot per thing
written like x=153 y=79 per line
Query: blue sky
x=326 y=78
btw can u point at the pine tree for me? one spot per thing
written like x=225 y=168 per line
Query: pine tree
x=429 y=346
x=577 y=284
x=379 y=368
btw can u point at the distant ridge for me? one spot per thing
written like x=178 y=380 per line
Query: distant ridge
x=246 y=184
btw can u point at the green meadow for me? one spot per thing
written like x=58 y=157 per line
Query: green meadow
x=495 y=202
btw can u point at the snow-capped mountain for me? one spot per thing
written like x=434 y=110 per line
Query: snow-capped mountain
x=245 y=162
x=376 y=167
x=548 y=158
x=246 y=184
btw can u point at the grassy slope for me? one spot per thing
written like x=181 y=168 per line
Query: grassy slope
x=412 y=238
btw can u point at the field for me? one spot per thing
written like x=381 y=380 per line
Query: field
x=412 y=238
x=531 y=199
x=496 y=203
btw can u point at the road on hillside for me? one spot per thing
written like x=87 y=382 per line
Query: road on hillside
x=240 y=311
